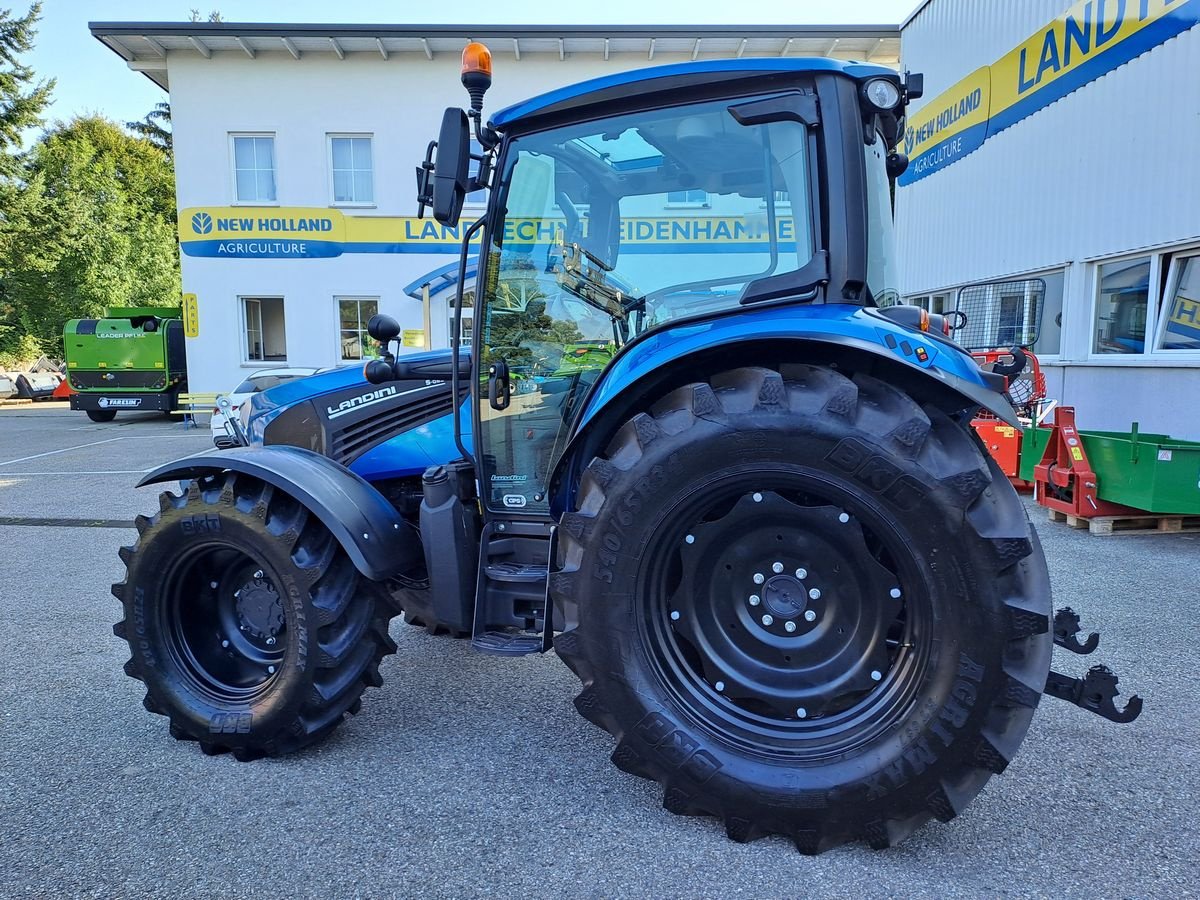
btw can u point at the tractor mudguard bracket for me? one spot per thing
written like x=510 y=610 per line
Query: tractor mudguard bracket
x=1066 y=626
x=1094 y=692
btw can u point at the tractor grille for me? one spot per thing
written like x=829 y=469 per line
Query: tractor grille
x=107 y=380
x=358 y=437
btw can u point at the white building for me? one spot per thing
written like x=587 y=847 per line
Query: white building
x=295 y=152
x=1055 y=152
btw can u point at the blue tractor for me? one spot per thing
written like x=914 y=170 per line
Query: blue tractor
x=692 y=448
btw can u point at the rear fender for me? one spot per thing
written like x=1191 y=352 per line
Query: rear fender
x=369 y=529
x=929 y=369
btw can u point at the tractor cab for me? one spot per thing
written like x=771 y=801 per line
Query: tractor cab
x=643 y=200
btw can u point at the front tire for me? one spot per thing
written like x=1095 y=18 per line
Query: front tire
x=805 y=605
x=248 y=623
x=101 y=415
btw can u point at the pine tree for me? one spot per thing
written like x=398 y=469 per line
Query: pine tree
x=22 y=98
x=156 y=127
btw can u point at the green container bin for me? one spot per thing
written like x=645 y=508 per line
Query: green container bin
x=1153 y=472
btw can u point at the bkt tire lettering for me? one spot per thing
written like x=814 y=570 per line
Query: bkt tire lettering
x=679 y=750
x=881 y=476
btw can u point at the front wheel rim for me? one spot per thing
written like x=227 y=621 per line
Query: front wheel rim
x=225 y=623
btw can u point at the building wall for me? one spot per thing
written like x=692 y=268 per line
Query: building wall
x=1105 y=171
x=399 y=102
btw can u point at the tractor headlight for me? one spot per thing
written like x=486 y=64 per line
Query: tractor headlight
x=882 y=93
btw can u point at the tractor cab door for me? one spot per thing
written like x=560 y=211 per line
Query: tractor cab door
x=541 y=348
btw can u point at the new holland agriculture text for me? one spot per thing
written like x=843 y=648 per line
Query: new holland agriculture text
x=310 y=233
x=1091 y=38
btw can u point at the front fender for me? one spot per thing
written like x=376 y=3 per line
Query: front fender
x=369 y=529
x=930 y=368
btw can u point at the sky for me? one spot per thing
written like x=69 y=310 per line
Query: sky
x=93 y=79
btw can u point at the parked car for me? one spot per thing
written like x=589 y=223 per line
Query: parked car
x=259 y=381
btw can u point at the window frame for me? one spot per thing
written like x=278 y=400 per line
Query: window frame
x=233 y=167
x=1170 y=287
x=349 y=204
x=246 y=362
x=337 y=323
x=706 y=203
x=1153 y=299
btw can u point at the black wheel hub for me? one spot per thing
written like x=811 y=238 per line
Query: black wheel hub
x=259 y=610
x=782 y=606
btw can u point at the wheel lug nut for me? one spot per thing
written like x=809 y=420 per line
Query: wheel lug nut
x=768 y=619
x=810 y=615
x=876 y=675
x=844 y=518
x=802 y=574
x=814 y=594
x=777 y=567
x=258 y=574
x=720 y=686
x=757 y=497
x=691 y=539
x=755 y=599
x=801 y=712
x=212 y=584
x=759 y=578
x=789 y=626
x=270 y=670
x=270 y=642
x=674 y=615
x=895 y=592
x=224 y=643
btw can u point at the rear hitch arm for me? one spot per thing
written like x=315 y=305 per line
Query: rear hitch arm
x=1066 y=626
x=1094 y=692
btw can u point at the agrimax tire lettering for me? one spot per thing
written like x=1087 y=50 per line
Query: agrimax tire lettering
x=677 y=749
x=918 y=755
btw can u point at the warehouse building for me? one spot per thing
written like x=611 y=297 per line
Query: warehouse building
x=295 y=148
x=1054 y=189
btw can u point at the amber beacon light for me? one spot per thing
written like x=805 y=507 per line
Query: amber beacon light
x=476 y=72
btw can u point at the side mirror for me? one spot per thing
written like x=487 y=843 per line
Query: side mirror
x=450 y=173
x=383 y=328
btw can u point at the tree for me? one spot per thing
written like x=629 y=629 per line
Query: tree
x=91 y=227
x=155 y=127
x=22 y=99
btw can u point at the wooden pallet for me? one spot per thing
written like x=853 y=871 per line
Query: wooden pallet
x=1144 y=524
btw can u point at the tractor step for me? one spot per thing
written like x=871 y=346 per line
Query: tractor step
x=522 y=573
x=506 y=643
x=1094 y=692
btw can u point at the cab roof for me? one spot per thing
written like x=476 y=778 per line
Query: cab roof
x=625 y=84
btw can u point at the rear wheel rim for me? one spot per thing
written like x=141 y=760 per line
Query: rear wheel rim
x=784 y=614
x=225 y=623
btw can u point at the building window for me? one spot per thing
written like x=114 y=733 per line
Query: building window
x=687 y=198
x=999 y=313
x=1122 y=306
x=353 y=341
x=254 y=168
x=350 y=162
x=1180 y=326
x=266 y=334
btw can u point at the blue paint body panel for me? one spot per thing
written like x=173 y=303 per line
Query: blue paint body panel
x=827 y=322
x=407 y=454
x=578 y=94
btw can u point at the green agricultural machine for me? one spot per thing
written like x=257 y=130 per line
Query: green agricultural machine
x=132 y=359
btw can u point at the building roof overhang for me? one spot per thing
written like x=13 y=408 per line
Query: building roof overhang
x=147 y=46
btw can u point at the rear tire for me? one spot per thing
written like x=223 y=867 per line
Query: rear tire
x=101 y=415
x=248 y=623
x=712 y=528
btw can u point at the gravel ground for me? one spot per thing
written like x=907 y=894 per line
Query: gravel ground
x=469 y=775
